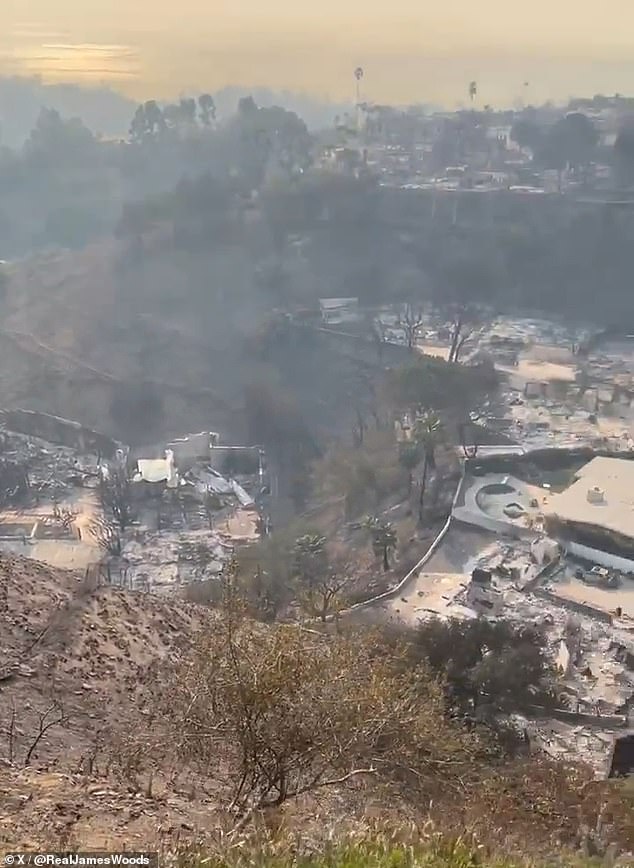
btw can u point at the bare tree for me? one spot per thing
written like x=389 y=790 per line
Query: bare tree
x=428 y=433
x=461 y=292
x=54 y=715
x=325 y=596
x=106 y=535
x=115 y=494
x=468 y=434
x=292 y=712
x=410 y=320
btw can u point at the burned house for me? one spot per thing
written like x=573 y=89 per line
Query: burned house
x=594 y=517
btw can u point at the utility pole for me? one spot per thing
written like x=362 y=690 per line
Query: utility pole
x=358 y=74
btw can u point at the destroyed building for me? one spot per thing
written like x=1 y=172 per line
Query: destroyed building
x=594 y=517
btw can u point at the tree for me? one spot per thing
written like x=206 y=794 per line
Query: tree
x=247 y=106
x=266 y=576
x=572 y=141
x=527 y=134
x=486 y=663
x=115 y=494
x=428 y=432
x=310 y=559
x=460 y=291
x=383 y=538
x=291 y=712
x=267 y=138
x=148 y=122
x=207 y=108
x=55 y=141
x=324 y=596
x=410 y=321
x=107 y=535
x=431 y=382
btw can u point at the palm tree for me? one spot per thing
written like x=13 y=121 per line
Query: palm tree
x=383 y=538
x=310 y=558
x=428 y=431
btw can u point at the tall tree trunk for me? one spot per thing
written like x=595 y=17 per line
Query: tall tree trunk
x=423 y=489
x=455 y=338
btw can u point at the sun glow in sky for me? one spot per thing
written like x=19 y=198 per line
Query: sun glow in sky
x=411 y=50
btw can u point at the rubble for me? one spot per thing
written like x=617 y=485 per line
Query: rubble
x=187 y=518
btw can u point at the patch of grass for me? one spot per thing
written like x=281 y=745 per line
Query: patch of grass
x=373 y=852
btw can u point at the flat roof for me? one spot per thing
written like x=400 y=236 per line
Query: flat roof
x=615 y=512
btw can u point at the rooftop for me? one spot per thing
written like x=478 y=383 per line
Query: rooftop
x=602 y=495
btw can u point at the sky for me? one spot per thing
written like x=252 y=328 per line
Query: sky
x=410 y=50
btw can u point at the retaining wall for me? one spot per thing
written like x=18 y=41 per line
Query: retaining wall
x=62 y=432
x=596 y=556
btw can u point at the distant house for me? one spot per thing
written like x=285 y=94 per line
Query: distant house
x=335 y=311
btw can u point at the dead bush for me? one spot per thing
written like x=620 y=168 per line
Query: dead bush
x=291 y=711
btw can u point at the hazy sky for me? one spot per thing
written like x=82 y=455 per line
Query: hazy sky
x=411 y=50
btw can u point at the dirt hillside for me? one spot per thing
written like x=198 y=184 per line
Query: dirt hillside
x=70 y=657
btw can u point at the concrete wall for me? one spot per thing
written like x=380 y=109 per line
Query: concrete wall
x=62 y=432
x=596 y=556
x=192 y=448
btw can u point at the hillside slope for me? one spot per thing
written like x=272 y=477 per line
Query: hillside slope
x=82 y=740
x=71 y=657
x=79 y=328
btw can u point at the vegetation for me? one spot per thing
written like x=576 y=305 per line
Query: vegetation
x=487 y=666
x=427 y=434
x=116 y=497
x=431 y=383
x=273 y=713
x=383 y=538
x=296 y=713
x=394 y=847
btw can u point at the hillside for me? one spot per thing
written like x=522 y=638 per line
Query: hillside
x=79 y=330
x=83 y=759
x=74 y=656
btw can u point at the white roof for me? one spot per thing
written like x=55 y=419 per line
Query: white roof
x=614 y=477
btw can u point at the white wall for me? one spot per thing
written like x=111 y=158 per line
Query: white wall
x=604 y=559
